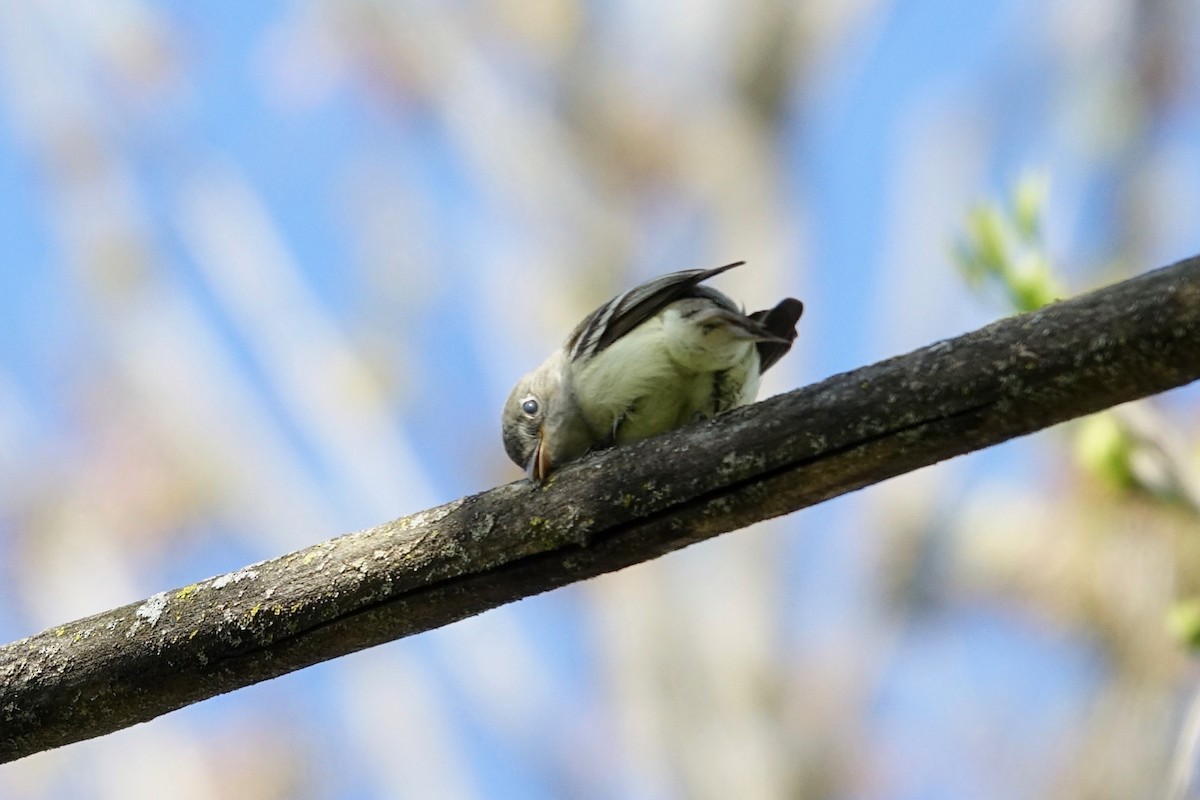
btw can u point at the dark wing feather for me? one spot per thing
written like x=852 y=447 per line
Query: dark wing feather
x=781 y=321
x=623 y=313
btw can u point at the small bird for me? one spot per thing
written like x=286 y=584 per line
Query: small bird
x=659 y=356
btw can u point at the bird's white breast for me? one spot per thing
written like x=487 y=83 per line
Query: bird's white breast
x=662 y=375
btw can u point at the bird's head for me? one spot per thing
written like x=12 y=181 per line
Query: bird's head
x=543 y=425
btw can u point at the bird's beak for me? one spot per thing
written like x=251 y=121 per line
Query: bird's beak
x=539 y=463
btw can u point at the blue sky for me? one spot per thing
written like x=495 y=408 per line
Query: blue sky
x=273 y=269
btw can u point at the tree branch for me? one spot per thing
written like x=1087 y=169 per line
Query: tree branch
x=620 y=507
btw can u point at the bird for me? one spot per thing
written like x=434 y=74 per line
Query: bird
x=659 y=356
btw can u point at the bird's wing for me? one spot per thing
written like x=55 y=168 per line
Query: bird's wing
x=623 y=313
x=780 y=321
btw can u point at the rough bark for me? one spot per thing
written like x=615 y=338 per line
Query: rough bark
x=631 y=504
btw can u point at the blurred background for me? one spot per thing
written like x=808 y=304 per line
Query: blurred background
x=270 y=269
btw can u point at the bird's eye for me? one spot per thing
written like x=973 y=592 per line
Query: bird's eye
x=530 y=406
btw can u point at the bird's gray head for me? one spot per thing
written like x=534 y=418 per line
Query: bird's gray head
x=543 y=425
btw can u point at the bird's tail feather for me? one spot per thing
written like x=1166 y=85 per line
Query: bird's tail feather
x=780 y=322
